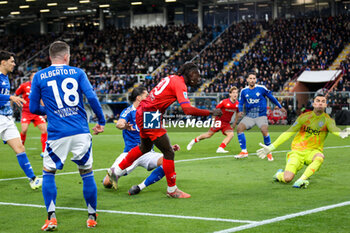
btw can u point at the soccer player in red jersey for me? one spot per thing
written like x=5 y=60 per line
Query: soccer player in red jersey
x=148 y=120
x=228 y=107
x=27 y=116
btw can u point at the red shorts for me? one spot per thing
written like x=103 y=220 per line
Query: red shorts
x=225 y=126
x=29 y=117
x=152 y=134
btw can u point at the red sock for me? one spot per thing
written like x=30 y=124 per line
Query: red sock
x=43 y=141
x=196 y=140
x=169 y=170
x=223 y=145
x=23 y=138
x=133 y=154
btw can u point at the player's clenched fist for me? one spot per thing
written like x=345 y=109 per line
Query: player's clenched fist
x=18 y=100
x=98 y=129
x=217 y=112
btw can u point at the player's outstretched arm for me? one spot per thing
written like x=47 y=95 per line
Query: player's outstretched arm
x=331 y=126
x=92 y=99
x=264 y=151
x=274 y=100
x=190 y=110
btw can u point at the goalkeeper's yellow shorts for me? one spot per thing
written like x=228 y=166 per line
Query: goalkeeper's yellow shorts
x=297 y=159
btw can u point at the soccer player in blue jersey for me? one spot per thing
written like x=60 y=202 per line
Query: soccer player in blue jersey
x=8 y=130
x=131 y=136
x=61 y=88
x=253 y=97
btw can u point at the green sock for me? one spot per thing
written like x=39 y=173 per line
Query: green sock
x=312 y=168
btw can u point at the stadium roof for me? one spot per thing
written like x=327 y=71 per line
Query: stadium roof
x=319 y=76
x=22 y=9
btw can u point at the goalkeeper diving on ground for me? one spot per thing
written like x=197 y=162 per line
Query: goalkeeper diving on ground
x=307 y=147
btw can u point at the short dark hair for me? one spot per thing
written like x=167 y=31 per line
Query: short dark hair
x=186 y=68
x=320 y=95
x=251 y=73
x=136 y=92
x=5 y=55
x=57 y=48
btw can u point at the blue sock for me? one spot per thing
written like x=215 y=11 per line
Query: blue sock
x=49 y=191
x=267 y=140
x=25 y=165
x=90 y=192
x=155 y=176
x=242 y=141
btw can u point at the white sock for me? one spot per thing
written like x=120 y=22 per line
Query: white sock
x=171 y=189
x=118 y=171
x=244 y=150
x=142 y=185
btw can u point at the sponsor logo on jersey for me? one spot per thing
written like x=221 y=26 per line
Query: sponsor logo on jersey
x=311 y=131
x=257 y=94
x=151 y=120
x=185 y=95
x=253 y=101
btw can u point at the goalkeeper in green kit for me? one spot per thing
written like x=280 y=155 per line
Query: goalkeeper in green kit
x=307 y=146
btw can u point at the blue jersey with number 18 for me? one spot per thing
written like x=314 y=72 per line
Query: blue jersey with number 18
x=61 y=88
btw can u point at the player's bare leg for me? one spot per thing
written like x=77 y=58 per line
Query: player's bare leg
x=242 y=141
x=206 y=135
x=227 y=139
x=267 y=139
x=24 y=129
x=43 y=130
x=163 y=144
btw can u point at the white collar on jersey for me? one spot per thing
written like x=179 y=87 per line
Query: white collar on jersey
x=58 y=64
x=133 y=107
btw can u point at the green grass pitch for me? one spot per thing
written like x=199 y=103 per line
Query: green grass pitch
x=223 y=190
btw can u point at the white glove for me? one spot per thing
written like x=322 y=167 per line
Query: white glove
x=264 y=151
x=344 y=133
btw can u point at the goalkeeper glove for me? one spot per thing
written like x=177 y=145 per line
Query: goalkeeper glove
x=344 y=133
x=264 y=151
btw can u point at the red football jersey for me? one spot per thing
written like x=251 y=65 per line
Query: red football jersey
x=24 y=90
x=228 y=108
x=168 y=90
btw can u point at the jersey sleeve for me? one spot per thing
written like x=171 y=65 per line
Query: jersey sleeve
x=4 y=97
x=19 y=90
x=35 y=96
x=289 y=133
x=124 y=115
x=269 y=95
x=220 y=104
x=241 y=101
x=92 y=98
x=332 y=128
x=181 y=93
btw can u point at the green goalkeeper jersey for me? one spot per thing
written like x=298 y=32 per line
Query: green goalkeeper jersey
x=312 y=132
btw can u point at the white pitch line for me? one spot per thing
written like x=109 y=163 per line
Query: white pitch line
x=135 y=213
x=282 y=218
x=177 y=161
